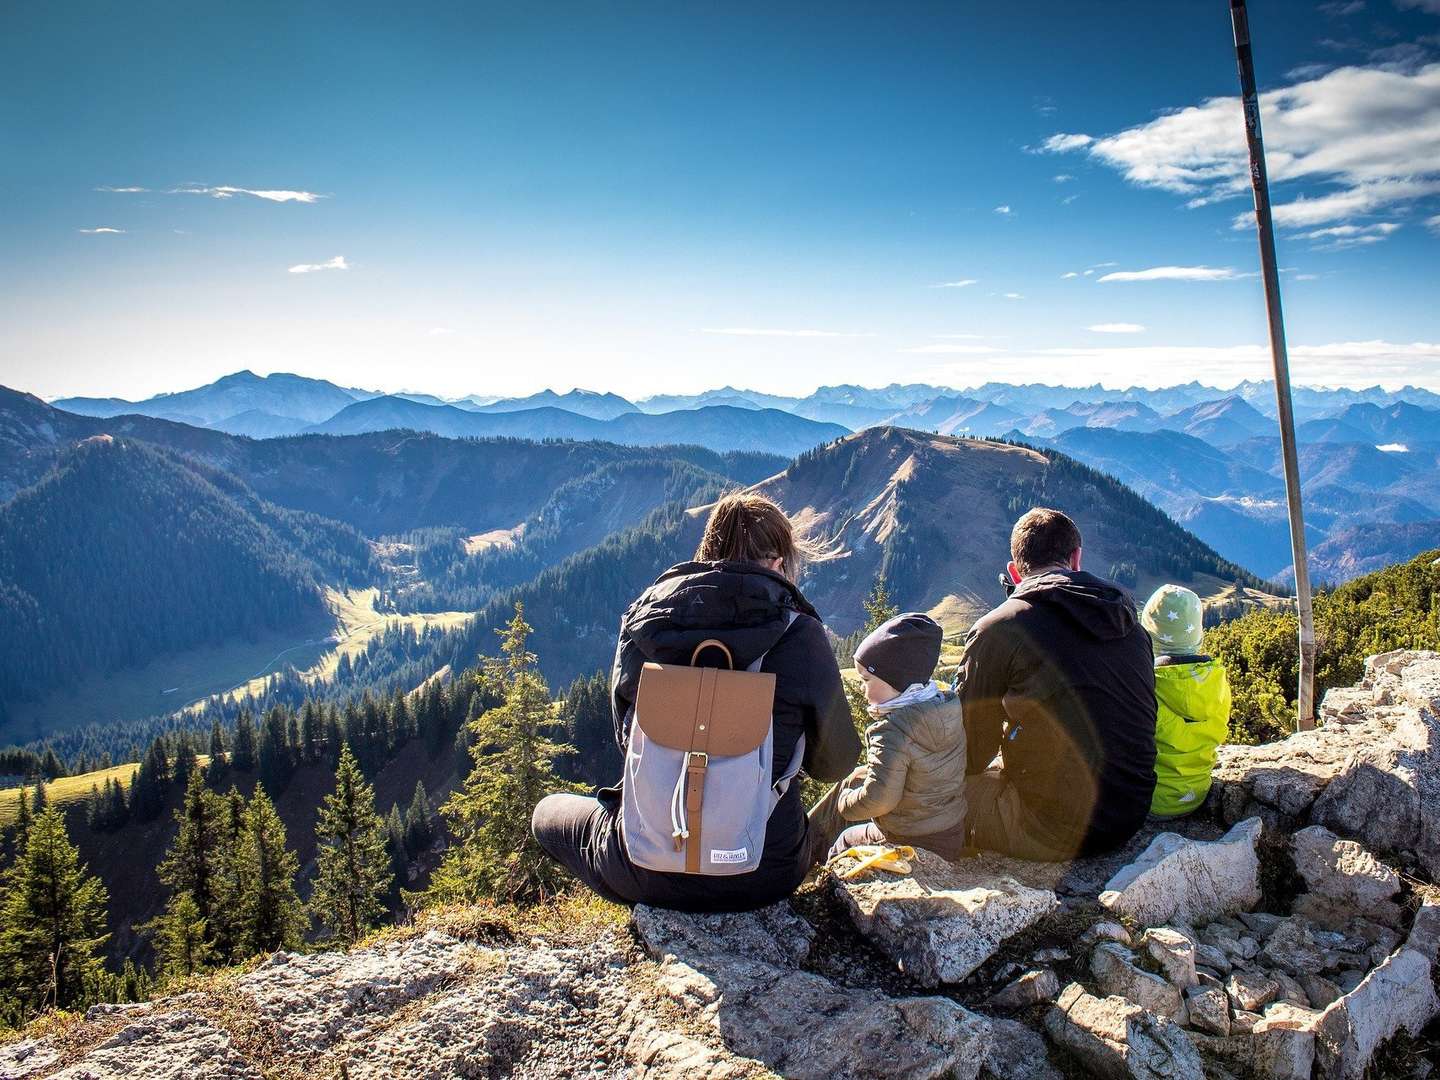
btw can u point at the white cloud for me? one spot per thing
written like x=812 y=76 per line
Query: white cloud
x=439 y=331
x=1433 y=223
x=1003 y=210
x=1338 y=237
x=1116 y=328
x=1014 y=296
x=337 y=263
x=960 y=337
x=1374 y=131
x=1063 y=178
x=749 y=331
x=106 y=187
x=101 y=229
x=1392 y=448
x=1068 y=199
x=1342 y=7
x=226 y=192
x=1307 y=277
x=954 y=350
x=1432 y=6
x=1174 y=273
x=963 y=283
x=1068 y=274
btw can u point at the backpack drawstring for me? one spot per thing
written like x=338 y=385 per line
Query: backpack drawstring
x=679 y=821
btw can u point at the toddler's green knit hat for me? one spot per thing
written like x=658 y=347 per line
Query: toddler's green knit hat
x=1175 y=618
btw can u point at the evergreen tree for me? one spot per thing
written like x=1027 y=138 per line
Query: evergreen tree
x=276 y=763
x=353 y=867
x=311 y=732
x=194 y=863
x=52 y=922
x=181 y=937
x=269 y=913
x=418 y=832
x=39 y=801
x=494 y=853
x=187 y=762
x=50 y=766
x=23 y=818
x=246 y=754
x=879 y=608
x=395 y=841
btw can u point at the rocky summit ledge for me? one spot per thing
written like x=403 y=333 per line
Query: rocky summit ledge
x=1283 y=932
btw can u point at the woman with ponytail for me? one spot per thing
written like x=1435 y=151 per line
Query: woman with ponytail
x=740 y=590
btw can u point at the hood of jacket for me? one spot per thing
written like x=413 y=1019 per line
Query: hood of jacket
x=1101 y=608
x=741 y=604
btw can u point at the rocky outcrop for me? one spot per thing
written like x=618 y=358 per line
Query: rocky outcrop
x=943 y=920
x=1294 y=946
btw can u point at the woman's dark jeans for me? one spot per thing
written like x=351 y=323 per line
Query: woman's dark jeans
x=583 y=834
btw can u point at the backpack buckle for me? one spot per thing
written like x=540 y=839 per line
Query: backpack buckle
x=704 y=758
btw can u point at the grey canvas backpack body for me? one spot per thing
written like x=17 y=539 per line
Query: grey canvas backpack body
x=698 y=790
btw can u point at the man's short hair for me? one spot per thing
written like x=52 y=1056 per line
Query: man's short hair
x=1043 y=537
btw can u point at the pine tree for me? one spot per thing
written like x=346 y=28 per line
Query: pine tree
x=311 y=734
x=879 y=608
x=181 y=937
x=23 y=818
x=395 y=842
x=276 y=763
x=187 y=762
x=418 y=832
x=494 y=853
x=269 y=913
x=52 y=921
x=353 y=867
x=194 y=862
x=39 y=801
x=246 y=754
x=50 y=766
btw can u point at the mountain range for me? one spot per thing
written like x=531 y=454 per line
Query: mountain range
x=1208 y=457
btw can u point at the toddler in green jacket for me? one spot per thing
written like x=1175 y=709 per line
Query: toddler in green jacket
x=911 y=789
x=1194 y=696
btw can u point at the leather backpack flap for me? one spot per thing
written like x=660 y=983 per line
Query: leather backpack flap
x=725 y=713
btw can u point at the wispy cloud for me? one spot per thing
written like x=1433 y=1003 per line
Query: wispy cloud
x=1014 y=296
x=750 y=331
x=953 y=350
x=127 y=190
x=1433 y=223
x=1116 y=328
x=1004 y=210
x=337 y=263
x=1174 y=273
x=1063 y=178
x=98 y=231
x=963 y=283
x=1336 y=8
x=1432 y=6
x=225 y=191
x=1339 y=237
x=1374 y=131
x=439 y=331
x=960 y=337
x=1068 y=274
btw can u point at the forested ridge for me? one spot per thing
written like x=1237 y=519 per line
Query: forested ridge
x=125 y=552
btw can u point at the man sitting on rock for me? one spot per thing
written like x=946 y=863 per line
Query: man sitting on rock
x=1059 y=680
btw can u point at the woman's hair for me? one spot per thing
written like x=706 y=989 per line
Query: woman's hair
x=745 y=527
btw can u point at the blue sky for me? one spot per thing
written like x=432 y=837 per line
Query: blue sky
x=482 y=198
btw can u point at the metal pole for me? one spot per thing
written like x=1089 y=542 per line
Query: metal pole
x=1271 y=276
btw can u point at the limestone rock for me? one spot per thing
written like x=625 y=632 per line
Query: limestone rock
x=1208 y=1009
x=1396 y=996
x=1117 y=975
x=1115 y=1038
x=1209 y=956
x=1174 y=951
x=738 y=974
x=1343 y=880
x=1105 y=931
x=1319 y=990
x=1189 y=881
x=1293 y=949
x=945 y=919
x=1272 y=1055
x=1017 y=1053
x=1031 y=988
x=1249 y=991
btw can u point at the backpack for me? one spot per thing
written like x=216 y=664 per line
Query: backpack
x=697 y=794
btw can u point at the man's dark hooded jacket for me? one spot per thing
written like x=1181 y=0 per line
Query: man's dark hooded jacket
x=747 y=607
x=1060 y=679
